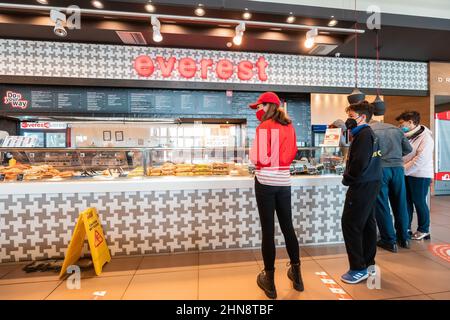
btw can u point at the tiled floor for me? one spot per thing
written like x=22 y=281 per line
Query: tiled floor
x=415 y=274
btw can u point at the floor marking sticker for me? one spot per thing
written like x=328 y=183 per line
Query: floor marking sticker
x=441 y=250
x=333 y=286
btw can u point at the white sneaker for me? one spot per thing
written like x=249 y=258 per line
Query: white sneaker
x=419 y=236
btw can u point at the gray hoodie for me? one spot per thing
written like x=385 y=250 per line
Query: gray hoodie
x=393 y=144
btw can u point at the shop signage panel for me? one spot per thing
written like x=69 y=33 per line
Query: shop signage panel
x=99 y=61
x=57 y=99
x=443 y=115
x=442 y=176
x=41 y=125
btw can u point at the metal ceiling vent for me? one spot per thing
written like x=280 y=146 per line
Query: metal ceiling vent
x=131 y=37
x=322 y=49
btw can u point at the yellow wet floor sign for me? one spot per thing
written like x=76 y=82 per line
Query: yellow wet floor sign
x=88 y=223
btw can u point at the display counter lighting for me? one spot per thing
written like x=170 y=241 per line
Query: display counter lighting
x=291 y=18
x=97 y=4
x=149 y=7
x=200 y=11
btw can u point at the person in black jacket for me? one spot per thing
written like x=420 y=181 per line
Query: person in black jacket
x=363 y=177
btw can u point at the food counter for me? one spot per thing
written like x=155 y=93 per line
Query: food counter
x=144 y=214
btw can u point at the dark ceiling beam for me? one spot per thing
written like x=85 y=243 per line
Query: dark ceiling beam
x=387 y=19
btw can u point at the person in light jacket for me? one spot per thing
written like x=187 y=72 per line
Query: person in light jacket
x=418 y=171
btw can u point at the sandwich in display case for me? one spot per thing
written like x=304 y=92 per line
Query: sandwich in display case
x=56 y=164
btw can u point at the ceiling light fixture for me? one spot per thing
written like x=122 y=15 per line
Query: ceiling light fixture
x=149 y=7
x=98 y=4
x=291 y=18
x=200 y=11
x=332 y=22
x=156 y=26
x=311 y=38
x=239 y=34
x=42 y=1
x=184 y=18
x=247 y=15
x=59 y=19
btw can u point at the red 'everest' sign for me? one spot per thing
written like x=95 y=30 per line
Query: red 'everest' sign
x=188 y=68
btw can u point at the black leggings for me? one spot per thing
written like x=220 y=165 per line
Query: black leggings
x=269 y=200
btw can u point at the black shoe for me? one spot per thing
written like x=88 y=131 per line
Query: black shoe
x=295 y=274
x=404 y=244
x=265 y=281
x=387 y=246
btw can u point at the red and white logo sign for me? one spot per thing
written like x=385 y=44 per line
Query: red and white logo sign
x=43 y=125
x=443 y=115
x=188 y=68
x=15 y=99
x=442 y=176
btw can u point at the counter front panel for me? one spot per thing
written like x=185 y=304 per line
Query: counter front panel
x=204 y=216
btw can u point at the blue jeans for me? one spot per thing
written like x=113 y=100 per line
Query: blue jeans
x=416 y=194
x=392 y=190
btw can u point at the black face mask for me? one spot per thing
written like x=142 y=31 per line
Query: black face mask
x=351 y=123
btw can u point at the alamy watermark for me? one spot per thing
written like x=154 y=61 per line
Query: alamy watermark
x=71 y=19
x=374 y=280
x=374 y=20
x=73 y=282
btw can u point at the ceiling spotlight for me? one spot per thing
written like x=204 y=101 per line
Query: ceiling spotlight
x=247 y=15
x=59 y=19
x=149 y=7
x=98 y=4
x=310 y=38
x=42 y=1
x=156 y=25
x=332 y=22
x=200 y=11
x=291 y=18
x=239 y=34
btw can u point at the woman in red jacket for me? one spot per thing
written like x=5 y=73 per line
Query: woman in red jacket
x=273 y=151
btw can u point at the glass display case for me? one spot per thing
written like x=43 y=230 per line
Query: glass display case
x=55 y=164
x=218 y=161
x=320 y=160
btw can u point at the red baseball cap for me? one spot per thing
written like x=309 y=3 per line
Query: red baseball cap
x=266 y=97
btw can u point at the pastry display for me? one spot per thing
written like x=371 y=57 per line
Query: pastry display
x=55 y=168
x=137 y=172
x=29 y=173
x=168 y=169
x=203 y=170
x=183 y=167
x=221 y=169
x=184 y=174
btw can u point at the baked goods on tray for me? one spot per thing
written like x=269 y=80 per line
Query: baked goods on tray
x=30 y=173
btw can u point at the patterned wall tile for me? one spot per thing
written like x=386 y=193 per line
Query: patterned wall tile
x=98 y=61
x=40 y=225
